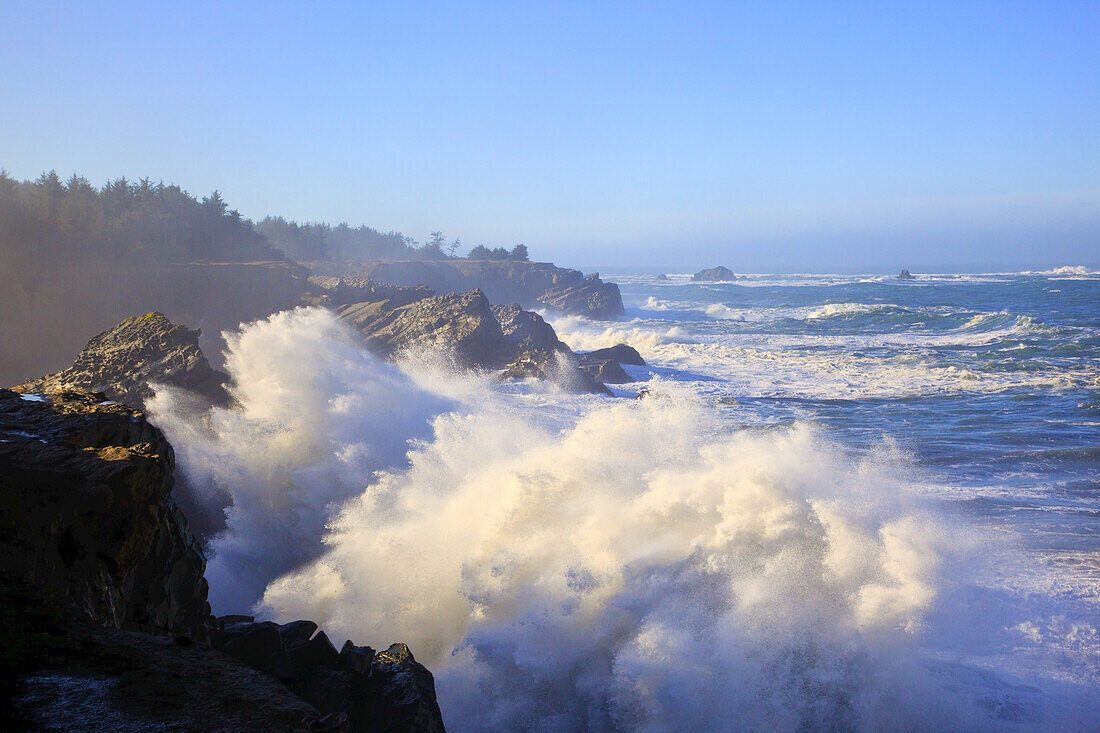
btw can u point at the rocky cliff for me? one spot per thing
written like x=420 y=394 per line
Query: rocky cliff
x=530 y=284
x=87 y=512
x=122 y=362
x=90 y=533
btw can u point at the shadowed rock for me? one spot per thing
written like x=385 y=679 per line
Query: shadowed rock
x=88 y=513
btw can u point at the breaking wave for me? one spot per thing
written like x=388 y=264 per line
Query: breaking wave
x=602 y=565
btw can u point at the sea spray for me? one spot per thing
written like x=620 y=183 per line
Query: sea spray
x=317 y=415
x=594 y=564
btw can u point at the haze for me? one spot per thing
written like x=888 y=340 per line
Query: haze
x=939 y=136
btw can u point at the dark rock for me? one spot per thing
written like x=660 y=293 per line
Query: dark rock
x=315 y=653
x=356 y=659
x=261 y=647
x=662 y=278
x=123 y=361
x=331 y=723
x=297 y=633
x=401 y=695
x=88 y=514
x=111 y=680
x=905 y=275
x=328 y=690
x=619 y=352
x=714 y=274
x=605 y=370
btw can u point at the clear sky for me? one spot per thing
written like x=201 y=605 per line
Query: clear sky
x=762 y=136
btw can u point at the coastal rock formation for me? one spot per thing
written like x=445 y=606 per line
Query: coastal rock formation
x=905 y=275
x=605 y=365
x=123 y=361
x=531 y=284
x=383 y=691
x=714 y=274
x=463 y=324
x=662 y=278
x=87 y=513
x=338 y=291
x=475 y=334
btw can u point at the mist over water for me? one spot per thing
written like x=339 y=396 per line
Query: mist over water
x=567 y=562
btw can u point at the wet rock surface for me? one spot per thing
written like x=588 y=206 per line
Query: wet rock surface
x=122 y=362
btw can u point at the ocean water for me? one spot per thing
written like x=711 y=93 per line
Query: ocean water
x=847 y=503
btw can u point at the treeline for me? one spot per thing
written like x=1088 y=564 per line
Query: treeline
x=122 y=221
x=142 y=222
x=342 y=243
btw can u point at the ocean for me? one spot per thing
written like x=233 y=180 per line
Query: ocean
x=828 y=502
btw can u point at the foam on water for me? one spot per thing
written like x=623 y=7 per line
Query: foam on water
x=574 y=562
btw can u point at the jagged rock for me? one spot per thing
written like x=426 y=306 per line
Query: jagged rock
x=591 y=297
x=316 y=652
x=662 y=278
x=714 y=274
x=905 y=275
x=621 y=353
x=88 y=514
x=463 y=324
x=122 y=362
x=401 y=695
x=527 y=330
x=356 y=659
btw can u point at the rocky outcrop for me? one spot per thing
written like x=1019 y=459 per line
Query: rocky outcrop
x=338 y=291
x=905 y=275
x=662 y=278
x=476 y=335
x=463 y=324
x=714 y=274
x=122 y=363
x=383 y=691
x=87 y=513
x=531 y=284
x=605 y=365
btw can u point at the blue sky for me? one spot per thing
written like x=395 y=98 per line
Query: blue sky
x=770 y=136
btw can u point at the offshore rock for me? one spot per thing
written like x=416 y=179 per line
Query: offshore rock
x=622 y=353
x=87 y=514
x=714 y=274
x=122 y=362
x=905 y=275
x=605 y=365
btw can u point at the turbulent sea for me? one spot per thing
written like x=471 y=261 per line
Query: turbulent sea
x=843 y=503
